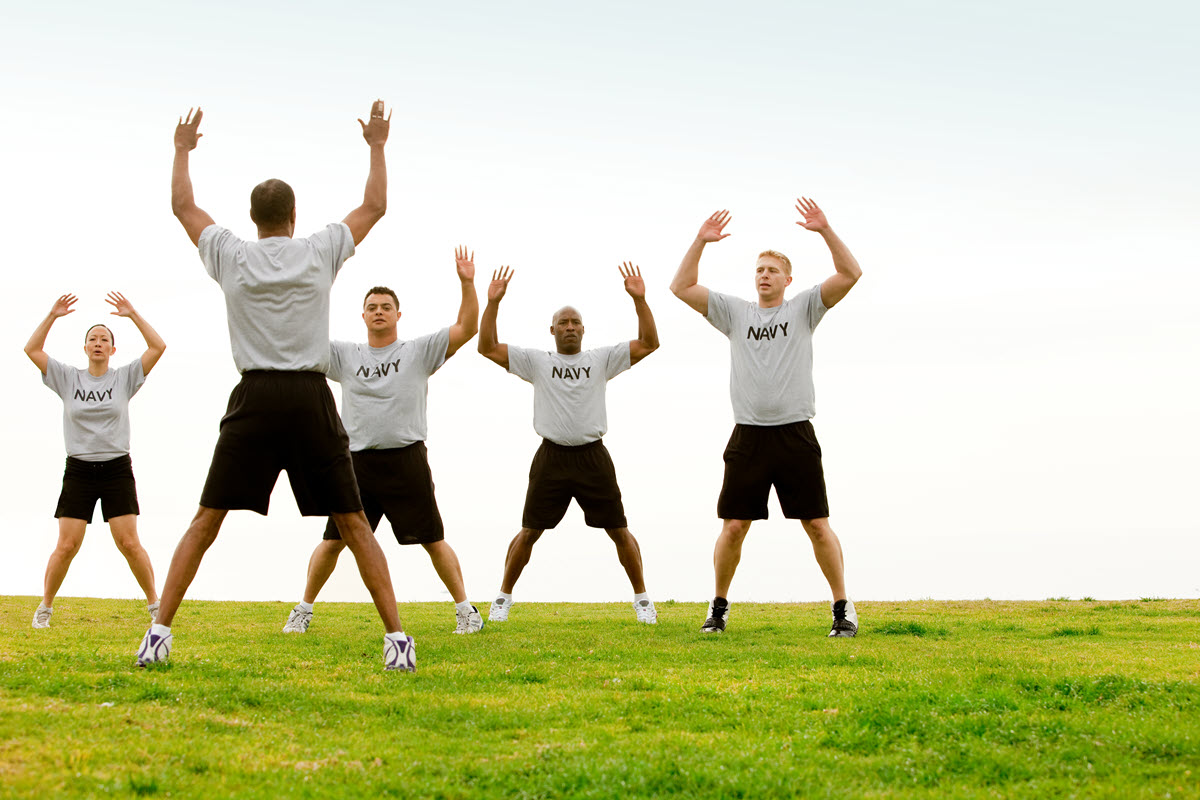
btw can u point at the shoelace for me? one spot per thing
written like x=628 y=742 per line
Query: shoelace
x=843 y=624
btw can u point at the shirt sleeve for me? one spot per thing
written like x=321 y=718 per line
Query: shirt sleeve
x=520 y=362
x=617 y=360
x=431 y=350
x=339 y=353
x=719 y=313
x=334 y=243
x=57 y=377
x=132 y=376
x=815 y=308
x=217 y=247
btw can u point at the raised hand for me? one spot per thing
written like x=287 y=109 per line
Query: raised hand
x=814 y=218
x=376 y=130
x=633 y=279
x=62 y=306
x=464 y=263
x=711 y=230
x=123 y=307
x=187 y=132
x=499 y=284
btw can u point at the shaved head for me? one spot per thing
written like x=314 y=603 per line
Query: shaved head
x=557 y=314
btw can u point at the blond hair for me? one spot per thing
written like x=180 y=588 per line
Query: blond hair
x=787 y=264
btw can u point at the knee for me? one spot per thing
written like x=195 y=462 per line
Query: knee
x=620 y=535
x=736 y=529
x=127 y=543
x=527 y=536
x=817 y=529
x=68 y=548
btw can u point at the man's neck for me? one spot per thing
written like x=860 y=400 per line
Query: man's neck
x=271 y=233
x=381 y=338
x=773 y=303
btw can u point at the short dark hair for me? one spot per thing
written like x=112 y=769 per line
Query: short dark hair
x=112 y=339
x=381 y=290
x=272 y=203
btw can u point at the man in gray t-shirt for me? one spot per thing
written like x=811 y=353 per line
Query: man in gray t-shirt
x=385 y=383
x=771 y=388
x=281 y=415
x=569 y=413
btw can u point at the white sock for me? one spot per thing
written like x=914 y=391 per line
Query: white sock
x=507 y=598
x=305 y=607
x=160 y=630
x=637 y=598
x=464 y=607
x=396 y=636
x=43 y=607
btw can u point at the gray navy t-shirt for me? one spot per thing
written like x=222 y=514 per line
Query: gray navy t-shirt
x=384 y=389
x=95 y=409
x=568 y=391
x=771 y=357
x=277 y=294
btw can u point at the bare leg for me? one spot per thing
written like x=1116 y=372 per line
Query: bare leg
x=728 y=552
x=445 y=561
x=519 y=551
x=124 y=533
x=828 y=551
x=70 y=537
x=320 y=567
x=188 y=553
x=372 y=565
x=630 y=556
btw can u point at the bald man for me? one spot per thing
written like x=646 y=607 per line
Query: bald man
x=569 y=413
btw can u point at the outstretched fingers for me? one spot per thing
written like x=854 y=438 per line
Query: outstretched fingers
x=630 y=270
x=503 y=274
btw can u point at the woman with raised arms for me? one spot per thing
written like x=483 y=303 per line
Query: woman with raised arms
x=96 y=430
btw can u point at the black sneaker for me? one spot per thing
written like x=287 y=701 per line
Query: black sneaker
x=717 y=616
x=845 y=619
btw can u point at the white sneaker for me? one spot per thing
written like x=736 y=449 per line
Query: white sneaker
x=845 y=619
x=155 y=649
x=471 y=622
x=400 y=655
x=41 y=617
x=499 y=610
x=298 y=620
x=153 y=609
x=645 y=612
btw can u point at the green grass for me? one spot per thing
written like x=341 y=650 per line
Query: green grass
x=932 y=700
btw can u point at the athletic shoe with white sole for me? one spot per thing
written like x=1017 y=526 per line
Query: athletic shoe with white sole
x=717 y=617
x=645 y=611
x=41 y=617
x=470 y=622
x=155 y=649
x=845 y=619
x=499 y=610
x=400 y=654
x=298 y=620
x=153 y=609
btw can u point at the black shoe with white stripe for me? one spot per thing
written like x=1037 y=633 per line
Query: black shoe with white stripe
x=845 y=619
x=718 y=613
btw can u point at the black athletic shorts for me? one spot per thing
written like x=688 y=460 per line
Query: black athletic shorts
x=586 y=473
x=786 y=456
x=282 y=421
x=85 y=482
x=397 y=483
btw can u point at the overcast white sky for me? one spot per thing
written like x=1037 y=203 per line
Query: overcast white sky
x=1007 y=400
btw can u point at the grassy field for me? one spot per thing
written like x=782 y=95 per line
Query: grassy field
x=933 y=699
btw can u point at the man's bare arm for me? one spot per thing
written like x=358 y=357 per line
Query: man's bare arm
x=183 y=203
x=837 y=285
x=155 y=346
x=489 y=347
x=647 y=341
x=374 y=204
x=686 y=284
x=467 y=324
x=35 y=347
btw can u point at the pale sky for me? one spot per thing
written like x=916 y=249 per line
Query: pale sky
x=1006 y=401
